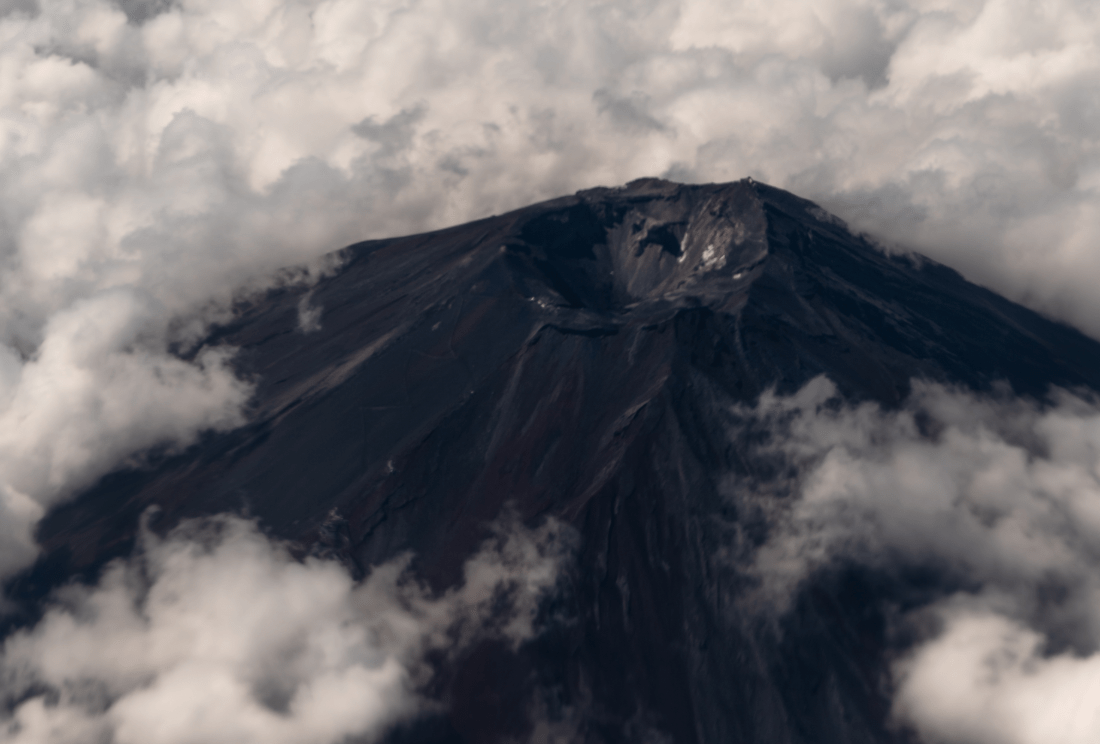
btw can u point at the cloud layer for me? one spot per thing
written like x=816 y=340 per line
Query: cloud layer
x=216 y=634
x=1000 y=499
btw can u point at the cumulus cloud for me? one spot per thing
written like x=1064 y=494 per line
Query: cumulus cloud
x=1000 y=498
x=217 y=634
x=159 y=157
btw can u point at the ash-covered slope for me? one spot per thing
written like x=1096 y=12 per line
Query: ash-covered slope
x=579 y=358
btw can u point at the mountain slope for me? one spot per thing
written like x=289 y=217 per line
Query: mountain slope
x=579 y=358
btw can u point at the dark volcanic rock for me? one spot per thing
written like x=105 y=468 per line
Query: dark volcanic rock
x=579 y=358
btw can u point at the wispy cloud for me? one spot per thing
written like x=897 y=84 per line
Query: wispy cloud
x=217 y=634
x=997 y=497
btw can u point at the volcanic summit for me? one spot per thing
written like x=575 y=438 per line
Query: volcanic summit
x=578 y=359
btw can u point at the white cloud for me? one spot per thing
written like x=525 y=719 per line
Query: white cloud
x=998 y=495
x=216 y=634
x=987 y=680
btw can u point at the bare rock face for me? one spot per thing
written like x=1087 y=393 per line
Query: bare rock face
x=579 y=358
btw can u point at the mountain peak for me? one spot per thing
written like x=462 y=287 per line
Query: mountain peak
x=579 y=359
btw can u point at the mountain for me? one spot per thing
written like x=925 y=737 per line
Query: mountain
x=579 y=359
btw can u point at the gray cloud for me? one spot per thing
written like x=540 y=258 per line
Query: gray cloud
x=216 y=634
x=997 y=495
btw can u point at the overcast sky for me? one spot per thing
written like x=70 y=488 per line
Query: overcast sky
x=159 y=156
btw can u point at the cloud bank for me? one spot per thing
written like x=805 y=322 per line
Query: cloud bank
x=1000 y=498
x=216 y=634
x=158 y=157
